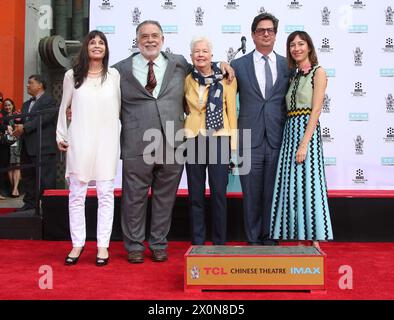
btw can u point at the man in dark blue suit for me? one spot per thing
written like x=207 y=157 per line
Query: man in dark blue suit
x=263 y=81
x=28 y=132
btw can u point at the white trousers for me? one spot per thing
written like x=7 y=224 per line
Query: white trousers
x=105 y=212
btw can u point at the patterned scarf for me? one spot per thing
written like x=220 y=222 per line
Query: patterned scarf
x=214 y=113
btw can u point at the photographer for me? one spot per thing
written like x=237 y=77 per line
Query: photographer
x=40 y=101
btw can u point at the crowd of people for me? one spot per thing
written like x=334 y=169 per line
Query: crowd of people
x=10 y=150
x=156 y=95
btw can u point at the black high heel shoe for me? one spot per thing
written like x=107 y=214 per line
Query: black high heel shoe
x=69 y=261
x=100 y=262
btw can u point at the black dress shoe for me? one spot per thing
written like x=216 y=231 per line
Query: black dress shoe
x=159 y=255
x=69 y=261
x=270 y=242
x=253 y=244
x=135 y=256
x=25 y=208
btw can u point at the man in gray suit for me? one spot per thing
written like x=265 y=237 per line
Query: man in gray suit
x=152 y=88
x=263 y=80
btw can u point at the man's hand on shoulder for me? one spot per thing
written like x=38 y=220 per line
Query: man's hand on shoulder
x=227 y=70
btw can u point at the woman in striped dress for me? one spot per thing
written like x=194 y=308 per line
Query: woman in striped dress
x=300 y=208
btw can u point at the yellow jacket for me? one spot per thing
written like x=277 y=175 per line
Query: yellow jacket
x=195 y=121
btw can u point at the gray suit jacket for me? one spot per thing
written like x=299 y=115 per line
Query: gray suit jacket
x=261 y=115
x=140 y=111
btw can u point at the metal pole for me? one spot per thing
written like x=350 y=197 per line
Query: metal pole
x=38 y=164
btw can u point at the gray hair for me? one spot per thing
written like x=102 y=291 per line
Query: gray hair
x=200 y=39
x=154 y=22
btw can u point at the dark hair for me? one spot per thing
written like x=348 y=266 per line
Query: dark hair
x=156 y=23
x=81 y=66
x=12 y=102
x=40 y=79
x=312 y=52
x=265 y=16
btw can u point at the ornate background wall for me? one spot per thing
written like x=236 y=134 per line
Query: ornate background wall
x=354 y=42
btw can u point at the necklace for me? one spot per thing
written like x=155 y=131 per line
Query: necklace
x=96 y=72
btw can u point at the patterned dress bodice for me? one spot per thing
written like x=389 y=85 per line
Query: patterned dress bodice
x=300 y=91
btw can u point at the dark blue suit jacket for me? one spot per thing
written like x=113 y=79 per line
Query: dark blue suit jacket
x=30 y=125
x=261 y=115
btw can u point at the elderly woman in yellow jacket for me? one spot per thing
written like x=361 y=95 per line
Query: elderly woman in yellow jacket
x=211 y=132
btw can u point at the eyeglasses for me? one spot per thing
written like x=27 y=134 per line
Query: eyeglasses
x=262 y=31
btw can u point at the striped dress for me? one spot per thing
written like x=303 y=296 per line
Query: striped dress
x=300 y=208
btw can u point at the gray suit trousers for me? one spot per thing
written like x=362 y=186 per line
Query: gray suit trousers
x=138 y=177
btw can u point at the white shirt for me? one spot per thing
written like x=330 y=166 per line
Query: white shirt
x=141 y=68
x=259 y=66
x=35 y=100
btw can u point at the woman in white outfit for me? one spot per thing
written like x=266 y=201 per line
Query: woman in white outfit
x=92 y=89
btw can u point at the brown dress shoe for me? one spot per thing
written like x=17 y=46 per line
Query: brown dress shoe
x=159 y=255
x=135 y=256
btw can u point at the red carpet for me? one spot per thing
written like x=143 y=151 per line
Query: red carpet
x=372 y=265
